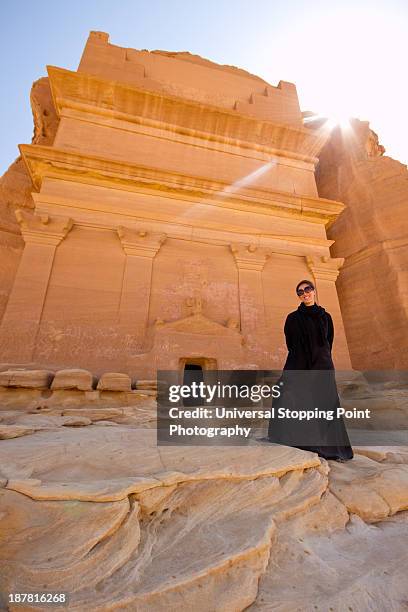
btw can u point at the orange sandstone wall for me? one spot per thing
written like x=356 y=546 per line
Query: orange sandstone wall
x=184 y=268
x=191 y=76
x=82 y=300
x=151 y=149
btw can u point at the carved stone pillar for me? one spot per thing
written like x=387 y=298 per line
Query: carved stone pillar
x=141 y=247
x=324 y=268
x=325 y=271
x=21 y=321
x=250 y=260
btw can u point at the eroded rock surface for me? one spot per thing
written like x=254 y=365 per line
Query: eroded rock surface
x=29 y=379
x=108 y=516
x=371 y=234
x=16 y=188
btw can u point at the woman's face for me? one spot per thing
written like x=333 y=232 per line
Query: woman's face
x=308 y=297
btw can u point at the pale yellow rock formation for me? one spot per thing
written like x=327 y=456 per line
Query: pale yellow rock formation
x=360 y=567
x=371 y=490
x=117 y=521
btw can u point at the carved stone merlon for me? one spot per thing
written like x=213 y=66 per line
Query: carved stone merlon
x=140 y=242
x=324 y=268
x=250 y=256
x=42 y=228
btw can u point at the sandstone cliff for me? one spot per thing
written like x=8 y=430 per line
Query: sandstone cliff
x=16 y=187
x=372 y=234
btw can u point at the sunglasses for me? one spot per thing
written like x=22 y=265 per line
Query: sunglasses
x=307 y=289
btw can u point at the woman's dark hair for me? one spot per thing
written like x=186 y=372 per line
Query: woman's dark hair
x=304 y=281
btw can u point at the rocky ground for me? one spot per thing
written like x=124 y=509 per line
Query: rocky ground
x=90 y=505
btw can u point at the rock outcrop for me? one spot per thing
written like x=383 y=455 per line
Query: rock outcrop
x=106 y=515
x=372 y=235
x=16 y=188
x=43 y=391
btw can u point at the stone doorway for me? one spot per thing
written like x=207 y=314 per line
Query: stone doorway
x=206 y=363
x=193 y=369
x=192 y=372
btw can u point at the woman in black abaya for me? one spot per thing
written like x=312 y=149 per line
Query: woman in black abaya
x=308 y=382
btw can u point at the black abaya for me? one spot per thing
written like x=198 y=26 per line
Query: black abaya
x=309 y=334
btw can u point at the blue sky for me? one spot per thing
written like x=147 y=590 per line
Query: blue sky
x=344 y=57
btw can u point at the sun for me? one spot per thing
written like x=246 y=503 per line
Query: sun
x=340 y=120
x=330 y=120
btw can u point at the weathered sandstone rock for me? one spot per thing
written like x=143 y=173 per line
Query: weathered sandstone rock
x=114 y=381
x=146 y=392
x=359 y=567
x=14 y=431
x=146 y=384
x=95 y=414
x=233 y=542
x=76 y=421
x=197 y=528
x=370 y=489
x=73 y=379
x=371 y=234
x=30 y=379
x=16 y=189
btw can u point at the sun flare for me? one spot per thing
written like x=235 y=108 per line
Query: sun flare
x=338 y=120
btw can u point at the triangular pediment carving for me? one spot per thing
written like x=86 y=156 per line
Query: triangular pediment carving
x=199 y=324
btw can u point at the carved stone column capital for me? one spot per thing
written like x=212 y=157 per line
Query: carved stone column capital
x=42 y=228
x=250 y=256
x=324 y=268
x=140 y=242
